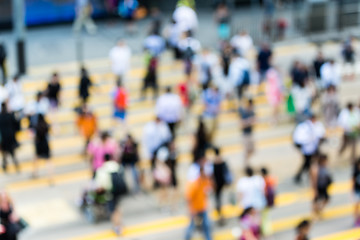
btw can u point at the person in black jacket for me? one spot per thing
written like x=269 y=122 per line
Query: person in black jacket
x=84 y=85
x=130 y=158
x=42 y=145
x=221 y=171
x=7 y=134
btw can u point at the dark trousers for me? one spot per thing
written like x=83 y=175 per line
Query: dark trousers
x=15 y=161
x=218 y=202
x=172 y=127
x=305 y=167
x=150 y=81
x=349 y=141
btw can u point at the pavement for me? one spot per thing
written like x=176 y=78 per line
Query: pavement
x=52 y=211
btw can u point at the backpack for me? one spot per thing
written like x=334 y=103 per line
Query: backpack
x=246 y=77
x=119 y=186
x=188 y=53
x=121 y=99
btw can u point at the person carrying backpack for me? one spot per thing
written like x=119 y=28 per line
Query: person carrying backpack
x=110 y=178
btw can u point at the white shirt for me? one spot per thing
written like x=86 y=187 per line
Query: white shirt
x=236 y=70
x=16 y=96
x=169 y=108
x=252 y=191
x=155 y=44
x=210 y=60
x=330 y=74
x=242 y=44
x=185 y=18
x=194 y=171
x=193 y=43
x=120 y=57
x=34 y=107
x=308 y=135
x=302 y=98
x=155 y=134
x=349 y=120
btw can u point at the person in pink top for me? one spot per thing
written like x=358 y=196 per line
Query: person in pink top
x=274 y=91
x=99 y=147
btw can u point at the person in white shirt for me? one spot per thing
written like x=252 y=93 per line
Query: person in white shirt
x=155 y=135
x=239 y=74
x=251 y=190
x=186 y=18
x=349 y=121
x=242 y=43
x=84 y=10
x=16 y=95
x=302 y=95
x=120 y=59
x=169 y=109
x=308 y=135
x=207 y=63
x=330 y=74
x=189 y=47
x=39 y=106
x=154 y=44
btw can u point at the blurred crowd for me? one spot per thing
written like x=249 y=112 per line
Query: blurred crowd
x=232 y=75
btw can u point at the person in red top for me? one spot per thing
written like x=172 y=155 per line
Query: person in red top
x=120 y=99
x=197 y=198
x=87 y=124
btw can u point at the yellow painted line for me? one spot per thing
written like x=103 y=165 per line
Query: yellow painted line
x=182 y=221
x=352 y=234
x=81 y=175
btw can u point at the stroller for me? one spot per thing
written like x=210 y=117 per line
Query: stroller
x=94 y=205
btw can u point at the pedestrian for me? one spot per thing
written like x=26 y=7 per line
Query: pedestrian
x=189 y=47
x=356 y=192
x=330 y=107
x=239 y=74
x=330 y=74
x=110 y=178
x=8 y=140
x=42 y=148
x=121 y=102
x=349 y=121
x=223 y=18
x=87 y=124
x=38 y=106
x=156 y=134
x=222 y=177
x=173 y=35
x=16 y=99
x=127 y=10
x=162 y=178
x=83 y=11
x=248 y=121
x=274 y=92
x=3 y=56
x=302 y=230
x=226 y=55
x=251 y=190
x=303 y=97
x=299 y=74
x=321 y=180
x=212 y=105
x=185 y=16
x=120 y=59
x=197 y=198
x=270 y=195
x=242 y=43
x=99 y=147
x=264 y=59
x=53 y=91
x=169 y=109
x=207 y=63
x=84 y=85
x=317 y=64
x=250 y=223
x=9 y=220
x=349 y=54
x=201 y=141
x=129 y=158
x=171 y=162
x=308 y=135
